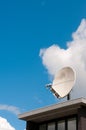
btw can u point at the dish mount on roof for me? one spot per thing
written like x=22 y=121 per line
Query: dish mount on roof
x=63 y=83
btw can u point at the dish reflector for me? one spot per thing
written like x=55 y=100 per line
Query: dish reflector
x=63 y=82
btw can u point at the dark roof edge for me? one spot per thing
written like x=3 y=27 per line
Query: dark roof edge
x=79 y=101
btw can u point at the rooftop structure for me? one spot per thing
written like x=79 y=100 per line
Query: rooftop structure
x=61 y=116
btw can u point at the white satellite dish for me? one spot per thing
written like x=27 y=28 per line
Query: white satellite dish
x=63 y=82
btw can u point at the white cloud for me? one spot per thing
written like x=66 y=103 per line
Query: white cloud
x=38 y=100
x=54 y=58
x=12 y=109
x=5 y=125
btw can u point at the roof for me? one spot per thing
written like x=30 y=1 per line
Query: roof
x=54 y=111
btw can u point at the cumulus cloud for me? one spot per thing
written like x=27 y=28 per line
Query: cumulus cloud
x=5 y=125
x=12 y=109
x=54 y=58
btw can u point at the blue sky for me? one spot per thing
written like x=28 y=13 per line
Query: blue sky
x=25 y=28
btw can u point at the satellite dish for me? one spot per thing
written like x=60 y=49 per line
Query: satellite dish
x=63 y=82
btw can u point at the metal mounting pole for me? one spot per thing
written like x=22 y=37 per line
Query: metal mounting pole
x=68 y=96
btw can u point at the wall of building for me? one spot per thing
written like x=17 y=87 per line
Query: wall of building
x=31 y=126
x=82 y=118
